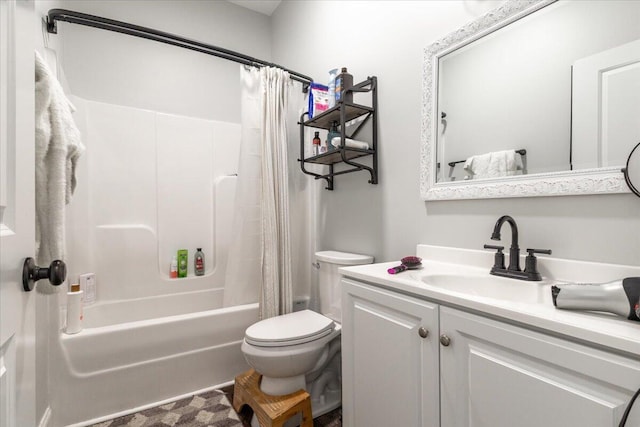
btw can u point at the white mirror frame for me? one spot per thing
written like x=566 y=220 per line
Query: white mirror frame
x=587 y=181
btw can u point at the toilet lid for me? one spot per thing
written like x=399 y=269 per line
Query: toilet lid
x=289 y=329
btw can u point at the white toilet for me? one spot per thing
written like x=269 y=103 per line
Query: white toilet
x=301 y=350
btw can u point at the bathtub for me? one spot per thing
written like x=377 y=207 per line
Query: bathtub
x=140 y=353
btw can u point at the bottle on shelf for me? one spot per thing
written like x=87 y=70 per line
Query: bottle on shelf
x=332 y=87
x=316 y=144
x=344 y=81
x=333 y=132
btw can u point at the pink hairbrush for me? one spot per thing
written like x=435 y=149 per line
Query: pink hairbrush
x=408 y=263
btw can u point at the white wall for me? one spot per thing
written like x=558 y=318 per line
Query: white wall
x=123 y=70
x=386 y=39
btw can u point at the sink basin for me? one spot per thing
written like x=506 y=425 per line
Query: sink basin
x=494 y=287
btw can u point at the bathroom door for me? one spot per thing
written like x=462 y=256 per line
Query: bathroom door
x=17 y=213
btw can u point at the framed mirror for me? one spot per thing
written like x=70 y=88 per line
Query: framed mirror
x=536 y=98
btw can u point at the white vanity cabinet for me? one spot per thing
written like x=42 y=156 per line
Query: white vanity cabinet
x=495 y=374
x=389 y=359
x=471 y=370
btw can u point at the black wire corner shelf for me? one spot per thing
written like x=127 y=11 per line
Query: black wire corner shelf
x=342 y=114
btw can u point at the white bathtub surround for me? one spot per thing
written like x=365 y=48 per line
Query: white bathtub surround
x=58 y=148
x=276 y=293
x=152 y=183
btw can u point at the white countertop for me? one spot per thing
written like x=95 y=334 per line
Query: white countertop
x=602 y=329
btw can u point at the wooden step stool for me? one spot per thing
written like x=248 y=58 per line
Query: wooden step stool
x=272 y=411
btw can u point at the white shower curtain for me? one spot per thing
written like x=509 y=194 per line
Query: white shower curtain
x=259 y=262
x=276 y=294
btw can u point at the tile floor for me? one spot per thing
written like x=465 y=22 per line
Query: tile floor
x=210 y=409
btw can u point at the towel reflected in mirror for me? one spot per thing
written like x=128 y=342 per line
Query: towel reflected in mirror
x=492 y=165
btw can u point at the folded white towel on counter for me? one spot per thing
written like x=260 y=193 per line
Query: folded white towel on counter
x=350 y=143
x=491 y=165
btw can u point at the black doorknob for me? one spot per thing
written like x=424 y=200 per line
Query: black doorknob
x=31 y=273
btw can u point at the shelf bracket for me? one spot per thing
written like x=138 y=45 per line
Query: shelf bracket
x=358 y=166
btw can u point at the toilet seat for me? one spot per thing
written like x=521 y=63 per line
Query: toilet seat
x=289 y=329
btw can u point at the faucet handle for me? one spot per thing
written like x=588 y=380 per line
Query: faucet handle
x=498 y=261
x=531 y=263
x=539 y=251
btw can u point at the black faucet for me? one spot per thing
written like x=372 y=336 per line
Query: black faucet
x=513 y=271
x=514 y=250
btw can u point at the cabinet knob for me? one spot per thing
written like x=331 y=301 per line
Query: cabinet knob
x=445 y=340
x=423 y=332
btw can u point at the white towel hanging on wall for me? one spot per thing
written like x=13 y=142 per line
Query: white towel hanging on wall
x=58 y=148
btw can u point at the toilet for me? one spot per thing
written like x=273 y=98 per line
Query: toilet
x=301 y=350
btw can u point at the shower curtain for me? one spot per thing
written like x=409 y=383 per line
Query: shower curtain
x=259 y=262
x=275 y=295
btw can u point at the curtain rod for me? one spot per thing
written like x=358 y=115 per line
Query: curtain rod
x=73 y=17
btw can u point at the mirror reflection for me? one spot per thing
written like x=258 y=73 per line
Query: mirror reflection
x=557 y=90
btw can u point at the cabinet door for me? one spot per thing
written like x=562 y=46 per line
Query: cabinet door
x=389 y=370
x=499 y=375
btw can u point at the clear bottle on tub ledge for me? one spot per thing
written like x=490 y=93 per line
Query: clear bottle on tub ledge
x=74 y=309
x=198 y=262
x=173 y=268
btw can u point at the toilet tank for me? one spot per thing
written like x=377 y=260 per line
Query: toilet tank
x=329 y=290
